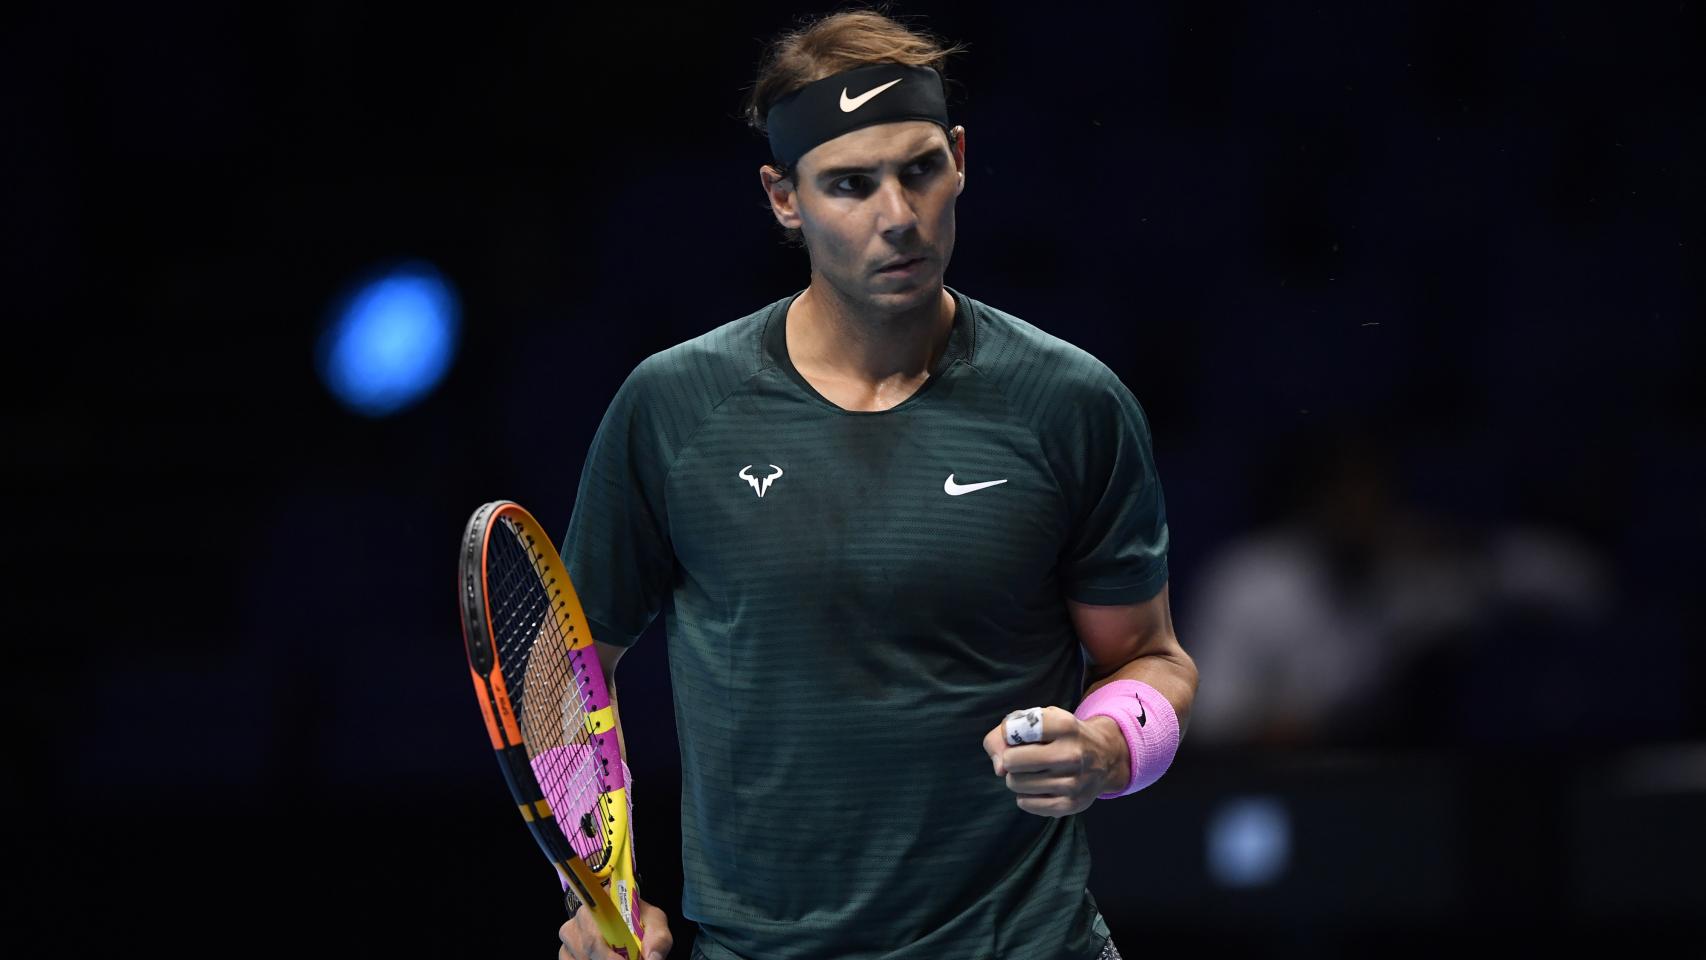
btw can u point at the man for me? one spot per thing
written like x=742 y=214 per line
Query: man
x=880 y=517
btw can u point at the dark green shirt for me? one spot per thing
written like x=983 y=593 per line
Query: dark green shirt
x=844 y=628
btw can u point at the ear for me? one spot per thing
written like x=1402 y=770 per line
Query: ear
x=783 y=197
x=959 y=149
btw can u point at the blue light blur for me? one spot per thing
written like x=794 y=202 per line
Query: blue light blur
x=1249 y=842
x=389 y=342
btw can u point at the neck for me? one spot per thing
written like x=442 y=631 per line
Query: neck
x=832 y=337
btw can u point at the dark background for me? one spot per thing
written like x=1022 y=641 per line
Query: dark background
x=1464 y=241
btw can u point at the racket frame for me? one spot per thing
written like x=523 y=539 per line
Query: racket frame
x=591 y=887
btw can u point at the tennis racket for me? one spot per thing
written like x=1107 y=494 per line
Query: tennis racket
x=541 y=690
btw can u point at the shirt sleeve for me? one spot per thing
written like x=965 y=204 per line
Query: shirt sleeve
x=1117 y=552
x=617 y=549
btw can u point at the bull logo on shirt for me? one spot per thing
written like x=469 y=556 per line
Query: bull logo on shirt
x=759 y=484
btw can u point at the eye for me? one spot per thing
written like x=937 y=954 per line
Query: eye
x=925 y=165
x=918 y=168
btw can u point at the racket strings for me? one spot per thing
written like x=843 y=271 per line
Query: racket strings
x=517 y=604
x=554 y=707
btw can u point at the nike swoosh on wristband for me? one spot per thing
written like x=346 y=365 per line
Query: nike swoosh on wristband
x=953 y=489
x=1142 y=715
x=850 y=104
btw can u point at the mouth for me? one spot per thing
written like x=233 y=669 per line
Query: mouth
x=903 y=265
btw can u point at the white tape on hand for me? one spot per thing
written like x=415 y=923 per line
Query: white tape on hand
x=1024 y=726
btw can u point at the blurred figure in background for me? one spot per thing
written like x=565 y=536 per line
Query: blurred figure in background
x=1360 y=619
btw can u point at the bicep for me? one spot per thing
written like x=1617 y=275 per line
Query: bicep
x=1114 y=635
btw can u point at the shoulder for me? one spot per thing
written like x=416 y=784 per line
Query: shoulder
x=1042 y=375
x=675 y=389
x=671 y=393
x=717 y=360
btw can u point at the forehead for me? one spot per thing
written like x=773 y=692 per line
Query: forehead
x=871 y=147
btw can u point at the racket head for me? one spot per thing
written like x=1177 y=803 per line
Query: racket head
x=547 y=710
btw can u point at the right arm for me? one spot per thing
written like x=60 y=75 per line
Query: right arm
x=579 y=934
x=608 y=654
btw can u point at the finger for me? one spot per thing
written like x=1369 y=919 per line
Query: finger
x=1042 y=786
x=1062 y=757
x=1058 y=724
x=574 y=948
x=1023 y=726
x=995 y=745
x=566 y=934
x=1028 y=759
x=587 y=943
x=1052 y=723
x=659 y=941
x=1046 y=806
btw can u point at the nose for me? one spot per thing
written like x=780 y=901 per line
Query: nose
x=895 y=212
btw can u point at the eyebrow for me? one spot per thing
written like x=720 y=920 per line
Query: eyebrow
x=836 y=173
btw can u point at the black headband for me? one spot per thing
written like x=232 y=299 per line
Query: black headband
x=825 y=109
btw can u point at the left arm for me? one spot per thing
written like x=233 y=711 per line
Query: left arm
x=1136 y=642
x=1076 y=761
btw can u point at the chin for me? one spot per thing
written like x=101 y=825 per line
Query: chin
x=926 y=282
x=924 y=291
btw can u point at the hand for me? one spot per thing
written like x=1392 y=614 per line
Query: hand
x=1063 y=773
x=581 y=941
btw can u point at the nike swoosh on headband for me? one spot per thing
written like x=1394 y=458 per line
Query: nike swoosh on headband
x=848 y=105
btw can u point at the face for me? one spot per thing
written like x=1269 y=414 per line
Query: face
x=869 y=198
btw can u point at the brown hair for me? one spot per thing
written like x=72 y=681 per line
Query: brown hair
x=829 y=45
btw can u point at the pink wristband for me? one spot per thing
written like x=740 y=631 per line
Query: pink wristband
x=1150 y=726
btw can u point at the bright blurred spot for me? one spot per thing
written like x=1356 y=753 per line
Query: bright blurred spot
x=390 y=341
x=1249 y=842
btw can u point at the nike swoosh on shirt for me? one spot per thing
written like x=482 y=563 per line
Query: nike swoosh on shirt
x=953 y=489
x=850 y=104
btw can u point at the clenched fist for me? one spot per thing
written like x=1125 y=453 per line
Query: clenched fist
x=1071 y=763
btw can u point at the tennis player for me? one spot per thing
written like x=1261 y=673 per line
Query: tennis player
x=889 y=527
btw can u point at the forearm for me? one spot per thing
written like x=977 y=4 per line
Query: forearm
x=616 y=711
x=1173 y=674
x=608 y=662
